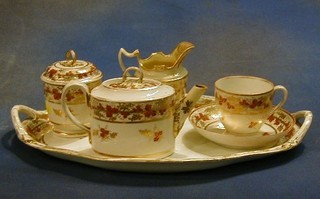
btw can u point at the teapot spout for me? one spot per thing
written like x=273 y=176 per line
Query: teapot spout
x=181 y=51
x=186 y=105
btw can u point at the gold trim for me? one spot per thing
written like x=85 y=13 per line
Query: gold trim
x=250 y=77
x=253 y=112
x=104 y=161
x=144 y=101
x=68 y=103
x=137 y=122
x=162 y=154
x=67 y=135
x=175 y=79
x=60 y=83
x=67 y=124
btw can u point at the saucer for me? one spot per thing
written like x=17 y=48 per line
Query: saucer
x=192 y=151
x=206 y=121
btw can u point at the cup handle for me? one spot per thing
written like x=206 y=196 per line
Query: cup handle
x=135 y=53
x=283 y=100
x=74 y=85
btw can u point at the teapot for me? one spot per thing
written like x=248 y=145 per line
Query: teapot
x=133 y=116
x=166 y=68
x=54 y=78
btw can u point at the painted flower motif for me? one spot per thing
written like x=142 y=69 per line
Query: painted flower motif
x=154 y=134
x=69 y=96
x=52 y=72
x=202 y=117
x=56 y=94
x=148 y=111
x=157 y=136
x=138 y=109
x=187 y=108
x=106 y=134
x=221 y=100
x=253 y=124
x=110 y=111
x=230 y=106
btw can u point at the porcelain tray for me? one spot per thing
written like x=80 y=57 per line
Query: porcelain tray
x=193 y=152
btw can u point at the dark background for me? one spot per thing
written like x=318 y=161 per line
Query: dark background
x=277 y=40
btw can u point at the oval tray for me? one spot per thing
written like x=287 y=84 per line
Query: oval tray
x=193 y=152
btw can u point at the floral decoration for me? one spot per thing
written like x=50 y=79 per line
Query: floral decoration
x=131 y=112
x=55 y=74
x=154 y=134
x=53 y=93
x=104 y=134
x=236 y=104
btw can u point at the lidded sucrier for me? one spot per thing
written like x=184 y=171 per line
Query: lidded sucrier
x=55 y=77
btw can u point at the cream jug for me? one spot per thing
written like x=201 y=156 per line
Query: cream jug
x=166 y=68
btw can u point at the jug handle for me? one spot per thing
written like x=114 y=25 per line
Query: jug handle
x=84 y=88
x=135 y=53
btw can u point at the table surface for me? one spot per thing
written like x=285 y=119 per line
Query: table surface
x=277 y=40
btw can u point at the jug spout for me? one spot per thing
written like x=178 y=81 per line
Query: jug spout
x=180 y=52
x=160 y=62
x=186 y=105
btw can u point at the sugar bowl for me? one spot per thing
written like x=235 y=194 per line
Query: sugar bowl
x=54 y=78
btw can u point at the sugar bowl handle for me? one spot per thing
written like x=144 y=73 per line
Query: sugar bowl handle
x=75 y=85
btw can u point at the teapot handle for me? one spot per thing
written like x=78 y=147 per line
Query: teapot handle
x=135 y=53
x=74 y=85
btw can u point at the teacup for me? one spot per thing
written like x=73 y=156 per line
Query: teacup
x=245 y=102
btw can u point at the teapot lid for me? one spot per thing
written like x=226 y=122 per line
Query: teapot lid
x=132 y=89
x=61 y=72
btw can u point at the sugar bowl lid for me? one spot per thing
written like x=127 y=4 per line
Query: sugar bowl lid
x=61 y=72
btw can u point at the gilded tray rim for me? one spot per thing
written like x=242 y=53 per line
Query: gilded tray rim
x=299 y=133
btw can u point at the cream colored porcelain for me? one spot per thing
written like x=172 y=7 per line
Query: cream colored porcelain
x=192 y=151
x=133 y=116
x=245 y=102
x=166 y=68
x=55 y=78
x=206 y=121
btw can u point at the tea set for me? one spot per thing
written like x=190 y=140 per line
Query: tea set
x=140 y=114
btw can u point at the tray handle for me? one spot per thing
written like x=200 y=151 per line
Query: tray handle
x=307 y=116
x=15 y=116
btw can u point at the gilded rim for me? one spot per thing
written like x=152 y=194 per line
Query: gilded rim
x=246 y=77
x=30 y=141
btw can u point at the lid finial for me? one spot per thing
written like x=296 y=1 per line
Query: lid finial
x=71 y=57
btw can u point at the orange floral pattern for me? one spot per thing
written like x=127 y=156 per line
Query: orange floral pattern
x=104 y=134
x=239 y=104
x=53 y=93
x=155 y=135
x=131 y=112
x=55 y=75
